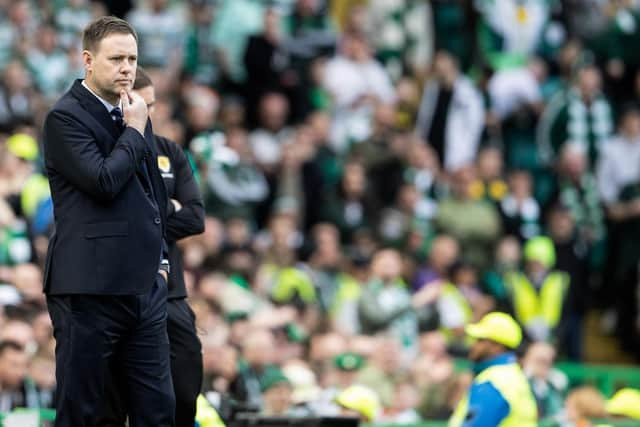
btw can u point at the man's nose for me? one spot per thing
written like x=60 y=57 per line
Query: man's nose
x=126 y=68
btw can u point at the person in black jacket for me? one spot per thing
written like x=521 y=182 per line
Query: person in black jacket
x=185 y=217
x=106 y=268
x=265 y=60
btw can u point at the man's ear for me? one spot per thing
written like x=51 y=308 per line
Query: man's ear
x=87 y=60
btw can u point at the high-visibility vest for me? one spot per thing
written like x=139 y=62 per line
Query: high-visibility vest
x=206 y=415
x=453 y=301
x=546 y=304
x=349 y=289
x=512 y=384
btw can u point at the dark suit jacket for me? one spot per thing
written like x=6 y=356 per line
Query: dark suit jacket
x=181 y=185
x=108 y=233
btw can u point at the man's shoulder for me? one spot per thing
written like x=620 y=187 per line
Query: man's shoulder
x=67 y=103
x=168 y=147
x=164 y=143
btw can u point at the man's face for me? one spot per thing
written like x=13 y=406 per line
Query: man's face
x=589 y=82
x=462 y=180
x=387 y=266
x=13 y=368
x=631 y=124
x=278 y=399
x=274 y=110
x=346 y=378
x=112 y=66
x=149 y=95
x=259 y=349
x=480 y=350
x=444 y=67
x=539 y=360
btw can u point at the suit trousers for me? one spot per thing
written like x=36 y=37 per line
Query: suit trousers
x=100 y=335
x=186 y=360
x=186 y=370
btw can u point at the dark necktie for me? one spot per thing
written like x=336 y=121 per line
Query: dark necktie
x=118 y=119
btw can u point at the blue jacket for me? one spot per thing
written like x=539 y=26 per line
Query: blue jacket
x=487 y=406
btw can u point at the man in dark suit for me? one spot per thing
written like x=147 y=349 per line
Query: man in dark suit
x=106 y=269
x=185 y=218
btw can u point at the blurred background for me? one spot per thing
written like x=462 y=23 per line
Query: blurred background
x=376 y=175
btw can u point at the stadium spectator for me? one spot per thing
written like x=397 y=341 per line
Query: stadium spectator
x=615 y=168
x=17 y=390
x=161 y=32
x=474 y=223
x=520 y=211
x=356 y=83
x=257 y=356
x=538 y=294
x=451 y=116
x=548 y=385
x=582 y=405
x=277 y=393
x=579 y=115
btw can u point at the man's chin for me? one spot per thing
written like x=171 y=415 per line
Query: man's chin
x=123 y=85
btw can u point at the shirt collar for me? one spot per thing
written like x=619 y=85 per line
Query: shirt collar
x=104 y=102
x=501 y=359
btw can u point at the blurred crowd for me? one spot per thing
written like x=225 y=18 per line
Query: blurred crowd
x=376 y=174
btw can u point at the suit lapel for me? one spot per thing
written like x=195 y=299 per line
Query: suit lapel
x=97 y=111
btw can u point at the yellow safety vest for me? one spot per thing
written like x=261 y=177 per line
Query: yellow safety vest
x=349 y=289
x=451 y=293
x=512 y=384
x=530 y=304
x=206 y=415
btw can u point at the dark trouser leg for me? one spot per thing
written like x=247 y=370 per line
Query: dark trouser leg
x=87 y=329
x=113 y=412
x=145 y=360
x=571 y=336
x=186 y=360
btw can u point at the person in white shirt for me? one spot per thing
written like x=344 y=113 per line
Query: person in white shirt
x=451 y=115
x=356 y=82
x=619 y=163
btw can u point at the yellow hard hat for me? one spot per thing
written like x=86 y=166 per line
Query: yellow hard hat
x=291 y=281
x=625 y=402
x=360 y=399
x=540 y=249
x=498 y=327
x=23 y=146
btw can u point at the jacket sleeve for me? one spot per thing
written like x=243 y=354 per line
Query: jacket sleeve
x=190 y=219
x=487 y=407
x=72 y=151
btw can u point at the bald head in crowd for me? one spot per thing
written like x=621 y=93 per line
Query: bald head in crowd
x=258 y=348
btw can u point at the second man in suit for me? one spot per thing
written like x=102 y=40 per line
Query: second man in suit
x=185 y=218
